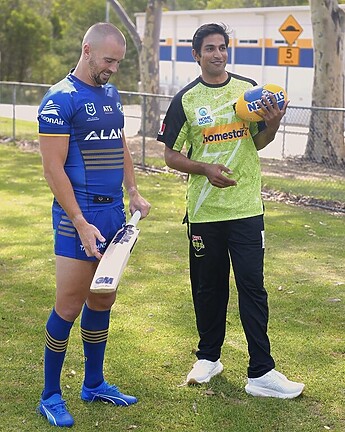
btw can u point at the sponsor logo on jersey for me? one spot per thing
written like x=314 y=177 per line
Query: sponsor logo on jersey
x=204 y=115
x=225 y=133
x=56 y=121
x=108 y=109
x=90 y=108
x=51 y=109
x=103 y=135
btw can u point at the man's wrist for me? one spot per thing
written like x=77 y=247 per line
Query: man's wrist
x=78 y=219
x=132 y=190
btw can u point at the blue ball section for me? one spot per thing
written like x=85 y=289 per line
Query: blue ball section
x=247 y=106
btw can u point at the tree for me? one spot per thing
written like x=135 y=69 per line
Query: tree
x=23 y=40
x=148 y=52
x=326 y=129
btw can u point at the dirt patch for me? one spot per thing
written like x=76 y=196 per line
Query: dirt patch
x=299 y=168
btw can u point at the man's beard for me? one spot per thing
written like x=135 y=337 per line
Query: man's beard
x=96 y=77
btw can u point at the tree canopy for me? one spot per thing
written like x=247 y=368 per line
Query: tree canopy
x=40 y=41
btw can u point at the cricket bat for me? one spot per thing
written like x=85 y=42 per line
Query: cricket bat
x=115 y=257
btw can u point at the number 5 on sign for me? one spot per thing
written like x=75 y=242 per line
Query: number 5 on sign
x=288 y=56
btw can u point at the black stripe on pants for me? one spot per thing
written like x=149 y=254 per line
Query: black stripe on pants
x=210 y=246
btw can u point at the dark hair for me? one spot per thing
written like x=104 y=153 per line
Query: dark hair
x=206 y=30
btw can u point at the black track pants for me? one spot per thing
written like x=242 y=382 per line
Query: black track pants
x=210 y=246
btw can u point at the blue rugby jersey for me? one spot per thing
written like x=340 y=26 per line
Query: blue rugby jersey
x=93 y=119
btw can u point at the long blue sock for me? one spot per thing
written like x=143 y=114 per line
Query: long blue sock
x=94 y=333
x=57 y=334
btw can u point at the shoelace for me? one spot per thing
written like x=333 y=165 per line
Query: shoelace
x=114 y=388
x=59 y=408
x=109 y=387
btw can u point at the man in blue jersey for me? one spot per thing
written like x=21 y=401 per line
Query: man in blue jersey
x=224 y=210
x=86 y=161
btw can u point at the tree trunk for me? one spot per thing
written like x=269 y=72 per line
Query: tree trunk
x=326 y=128
x=149 y=68
x=148 y=51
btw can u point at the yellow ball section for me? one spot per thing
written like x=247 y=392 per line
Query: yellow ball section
x=247 y=107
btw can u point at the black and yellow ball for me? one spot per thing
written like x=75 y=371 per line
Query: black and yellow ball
x=246 y=107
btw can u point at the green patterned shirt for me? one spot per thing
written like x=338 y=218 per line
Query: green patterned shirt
x=201 y=119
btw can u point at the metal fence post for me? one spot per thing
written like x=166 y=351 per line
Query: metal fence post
x=144 y=132
x=14 y=101
x=284 y=137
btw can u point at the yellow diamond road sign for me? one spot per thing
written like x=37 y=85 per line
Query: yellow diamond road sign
x=290 y=29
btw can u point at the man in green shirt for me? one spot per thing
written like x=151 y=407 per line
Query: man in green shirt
x=224 y=209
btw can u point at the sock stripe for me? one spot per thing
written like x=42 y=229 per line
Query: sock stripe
x=93 y=337
x=55 y=345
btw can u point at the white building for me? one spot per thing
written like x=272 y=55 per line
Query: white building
x=258 y=47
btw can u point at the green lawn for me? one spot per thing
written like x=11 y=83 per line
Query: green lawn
x=312 y=184
x=152 y=334
x=23 y=129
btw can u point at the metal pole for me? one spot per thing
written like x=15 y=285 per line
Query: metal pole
x=284 y=118
x=14 y=101
x=143 y=131
x=107 y=5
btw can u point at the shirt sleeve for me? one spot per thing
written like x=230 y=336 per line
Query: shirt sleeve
x=174 y=129
x=55 y=113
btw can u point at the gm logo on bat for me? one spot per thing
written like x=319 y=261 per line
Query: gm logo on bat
x=104 y=280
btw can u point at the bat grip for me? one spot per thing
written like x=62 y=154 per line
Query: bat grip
x=135 y=218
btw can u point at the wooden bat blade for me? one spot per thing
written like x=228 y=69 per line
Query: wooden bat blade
x=115 y=258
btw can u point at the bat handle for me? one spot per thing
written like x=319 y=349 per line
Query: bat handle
x=135 y=218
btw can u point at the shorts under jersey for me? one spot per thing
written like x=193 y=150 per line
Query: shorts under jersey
x=66 y=238
x=92 y=118
x=201 y=119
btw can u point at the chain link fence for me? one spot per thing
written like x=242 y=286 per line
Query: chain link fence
x=297 y=166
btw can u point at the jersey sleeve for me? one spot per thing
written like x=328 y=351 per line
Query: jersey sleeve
x=174 y=129
x=55 y=113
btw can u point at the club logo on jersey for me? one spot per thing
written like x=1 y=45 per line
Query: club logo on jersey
x=204 y=115
x=90 y=108
x=225 y=133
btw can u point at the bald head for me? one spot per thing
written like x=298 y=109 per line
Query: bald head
x=97 y=33
x=103 y=49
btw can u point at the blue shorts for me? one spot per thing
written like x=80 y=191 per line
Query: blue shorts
x=66 y=239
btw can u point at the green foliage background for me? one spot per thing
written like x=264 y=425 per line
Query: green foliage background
x=40 y=39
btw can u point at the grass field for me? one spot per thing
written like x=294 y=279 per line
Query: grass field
x=152 y=334
x=23 y=129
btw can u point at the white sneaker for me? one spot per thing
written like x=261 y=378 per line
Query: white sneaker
x=203 y=371
x=274 y=384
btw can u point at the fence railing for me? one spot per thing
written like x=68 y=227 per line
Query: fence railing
x=284 y=164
